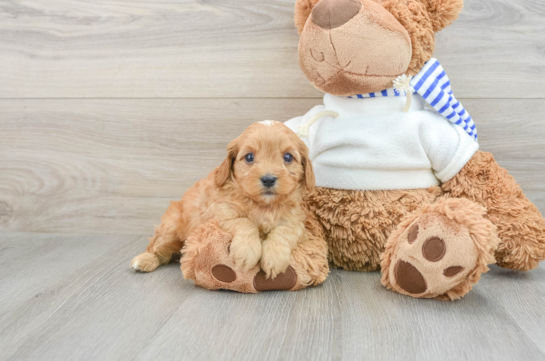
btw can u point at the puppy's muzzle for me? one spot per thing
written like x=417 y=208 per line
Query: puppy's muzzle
x=268 y=180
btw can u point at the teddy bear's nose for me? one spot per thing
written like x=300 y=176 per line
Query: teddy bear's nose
x=330 y=14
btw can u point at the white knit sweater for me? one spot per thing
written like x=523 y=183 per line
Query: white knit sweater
x=374 y=145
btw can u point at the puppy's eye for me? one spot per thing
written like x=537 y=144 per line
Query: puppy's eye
x=288 y=158
x=249 y=158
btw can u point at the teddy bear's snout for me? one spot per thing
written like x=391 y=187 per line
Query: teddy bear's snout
x=330 y=14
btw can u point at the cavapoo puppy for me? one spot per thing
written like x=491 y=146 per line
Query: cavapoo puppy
x=255 y=195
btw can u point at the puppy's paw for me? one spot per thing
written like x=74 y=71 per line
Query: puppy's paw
x=146 y=262
x=245 y=253
x=275 y=259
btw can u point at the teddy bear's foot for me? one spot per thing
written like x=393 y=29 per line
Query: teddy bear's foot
x=439 y=251
x=205 y=260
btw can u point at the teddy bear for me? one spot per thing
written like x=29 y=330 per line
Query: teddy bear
x=402 y=186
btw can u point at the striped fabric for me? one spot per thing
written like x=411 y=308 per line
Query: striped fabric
x=433 y=85
x=385 y=93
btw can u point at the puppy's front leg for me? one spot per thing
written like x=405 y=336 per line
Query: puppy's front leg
x=246 y=244
x=276 y=254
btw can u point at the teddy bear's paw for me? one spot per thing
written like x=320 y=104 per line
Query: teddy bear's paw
x=433 y=256
x=206 y=260
x=222 y=276
x=438 y=255
x=246 y=280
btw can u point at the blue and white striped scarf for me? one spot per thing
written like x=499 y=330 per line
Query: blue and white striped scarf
x=433 y=85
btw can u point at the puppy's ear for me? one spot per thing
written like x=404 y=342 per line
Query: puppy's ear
x=303 y=8
x=443 y=12
x=224 y=171
x=310 y=180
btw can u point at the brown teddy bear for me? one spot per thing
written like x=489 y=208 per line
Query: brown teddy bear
x=402 y=184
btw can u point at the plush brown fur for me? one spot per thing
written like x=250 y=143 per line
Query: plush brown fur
x=441 y=12
x=266 y=223
x=419 y=20
x=357 y=224
x=302 y=12
x=206 y=247
x=521 y=226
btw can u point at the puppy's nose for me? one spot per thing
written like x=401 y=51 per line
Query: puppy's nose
x=330 y=14
x=268 y=180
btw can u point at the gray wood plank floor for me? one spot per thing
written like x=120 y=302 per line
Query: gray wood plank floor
x=74 y=297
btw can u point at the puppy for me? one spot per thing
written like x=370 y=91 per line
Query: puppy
x=255 y=195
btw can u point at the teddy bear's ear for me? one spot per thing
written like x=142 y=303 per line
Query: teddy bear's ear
x=443 y=12
x=303 y=8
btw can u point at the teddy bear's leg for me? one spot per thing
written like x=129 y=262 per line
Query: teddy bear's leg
x=521 y=228
x=440 y=250
x=205 y=260
x=357 y=224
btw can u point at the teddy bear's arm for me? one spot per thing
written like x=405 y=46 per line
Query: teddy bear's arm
x=521 y=227
x=447 y=146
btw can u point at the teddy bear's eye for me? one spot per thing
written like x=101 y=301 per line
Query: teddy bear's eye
x=317 y=55
x=288 y=158
x=249 y=158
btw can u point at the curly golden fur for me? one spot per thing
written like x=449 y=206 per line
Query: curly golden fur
x=208 y=246
x=267 y=222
